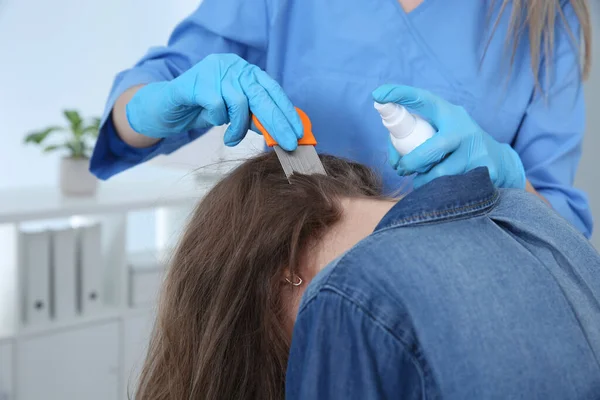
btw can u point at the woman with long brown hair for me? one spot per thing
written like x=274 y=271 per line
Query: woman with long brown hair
x=222 y=330
x=459 y=290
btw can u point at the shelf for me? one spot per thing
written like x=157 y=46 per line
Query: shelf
x=80 y=321
x=39 y=203
x=55 y=326
x=110 y=341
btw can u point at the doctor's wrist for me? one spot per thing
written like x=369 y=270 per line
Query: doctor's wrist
x=121 y=122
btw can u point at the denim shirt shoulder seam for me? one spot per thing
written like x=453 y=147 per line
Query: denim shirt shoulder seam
x=415 y=359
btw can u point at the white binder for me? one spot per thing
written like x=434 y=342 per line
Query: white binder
x=6 y=370
x=64 y=274
x=35 y=267
x=91 y=296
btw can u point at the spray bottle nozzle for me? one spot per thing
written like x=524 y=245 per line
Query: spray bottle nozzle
x=386 y=109
x=399 y=122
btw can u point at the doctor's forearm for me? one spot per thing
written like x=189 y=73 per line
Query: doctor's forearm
x=124 y=130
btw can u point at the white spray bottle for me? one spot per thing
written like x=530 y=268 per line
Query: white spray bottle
x=407 y=131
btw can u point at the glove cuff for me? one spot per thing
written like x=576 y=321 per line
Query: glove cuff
x=515 y=172
x=141 y=109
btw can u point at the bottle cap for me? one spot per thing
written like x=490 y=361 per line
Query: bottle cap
x=399 y=122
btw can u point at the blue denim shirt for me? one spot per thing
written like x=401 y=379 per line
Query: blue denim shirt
x=462 y=292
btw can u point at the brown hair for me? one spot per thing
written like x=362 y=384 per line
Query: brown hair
x=539 y=17
x=220 y=331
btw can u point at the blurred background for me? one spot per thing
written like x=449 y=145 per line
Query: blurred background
x=79 y=275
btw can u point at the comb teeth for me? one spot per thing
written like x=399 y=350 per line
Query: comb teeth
x=303 y=160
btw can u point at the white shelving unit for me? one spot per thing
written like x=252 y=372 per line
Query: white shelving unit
x=94 y=356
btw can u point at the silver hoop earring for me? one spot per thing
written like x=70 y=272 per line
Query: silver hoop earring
x=297 y=283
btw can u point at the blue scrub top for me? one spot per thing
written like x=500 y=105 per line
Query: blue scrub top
x=329 y=57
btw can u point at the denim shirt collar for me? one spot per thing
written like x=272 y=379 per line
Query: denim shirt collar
x=444 y=198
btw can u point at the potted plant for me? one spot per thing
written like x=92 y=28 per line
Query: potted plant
x=77 y=139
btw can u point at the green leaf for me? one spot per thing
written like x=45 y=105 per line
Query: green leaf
x=39 y=136
x=77 y=148
x=93 y=128
x=75 y=120
x=73 y=116
x=53 y=147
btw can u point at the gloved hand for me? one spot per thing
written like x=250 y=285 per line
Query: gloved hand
x=220 y=89
x=458 y=146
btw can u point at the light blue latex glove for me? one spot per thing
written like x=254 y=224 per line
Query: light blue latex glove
x=458 y=146
x=220 y=89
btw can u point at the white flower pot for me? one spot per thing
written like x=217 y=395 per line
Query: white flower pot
x=75 y=177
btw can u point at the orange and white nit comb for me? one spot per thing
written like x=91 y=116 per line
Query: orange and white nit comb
x=303 y=160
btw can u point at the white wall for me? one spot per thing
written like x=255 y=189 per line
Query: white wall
x=588 y=177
